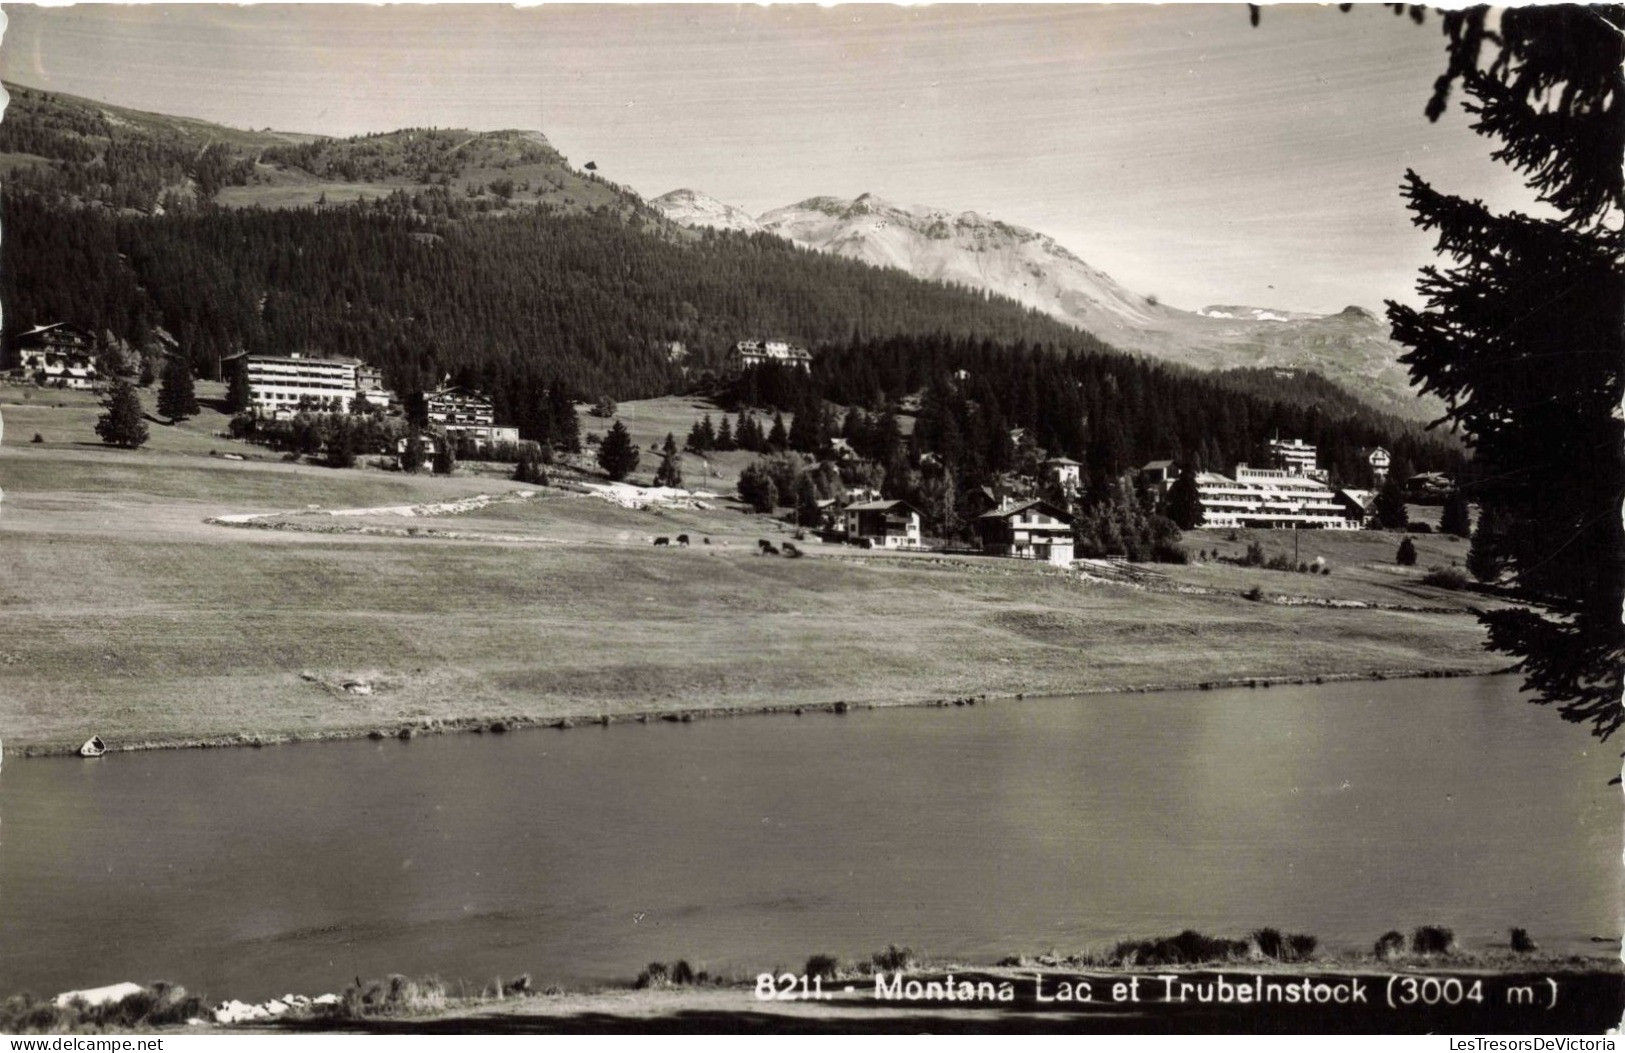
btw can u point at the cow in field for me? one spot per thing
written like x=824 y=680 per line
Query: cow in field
x=765 y=545
x=682 y=539
x=769 y=549
x=790 y=550
x=662 y=541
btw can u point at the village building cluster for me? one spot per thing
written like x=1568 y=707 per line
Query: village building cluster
x=1294 y=494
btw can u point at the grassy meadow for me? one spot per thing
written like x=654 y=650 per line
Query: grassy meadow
x=123 y=613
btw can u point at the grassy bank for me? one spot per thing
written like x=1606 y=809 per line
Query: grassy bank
x=124 y=614
x=1175 y=983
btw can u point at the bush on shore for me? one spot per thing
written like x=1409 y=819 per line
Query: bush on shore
x=157 y=1005
x=1187 y=948
x=678 y=974
x=1293 y=947
x=822 y=966
x=396 y=996
x=1432 y=939
x=1390 y=945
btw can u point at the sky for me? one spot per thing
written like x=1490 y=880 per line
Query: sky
x=1178 y=148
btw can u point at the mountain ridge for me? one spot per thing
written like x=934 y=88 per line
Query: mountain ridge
x=969 y=248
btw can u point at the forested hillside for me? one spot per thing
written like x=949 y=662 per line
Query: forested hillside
x=590 y=299
x=1107 y=410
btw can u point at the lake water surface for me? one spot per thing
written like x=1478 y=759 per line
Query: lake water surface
x=1342 y=810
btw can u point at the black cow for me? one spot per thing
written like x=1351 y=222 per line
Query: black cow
x=765 y=546
x=682 y=539
x=791 y=550
x=662 y=541
x=769 y=549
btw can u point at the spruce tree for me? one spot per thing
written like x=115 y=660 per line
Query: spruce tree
x=1406 y=556
x=445 y=456
x=725 y=435
x=1522 y=334
x=121 y=424
x=177 y=398
x=777 y=438
x=1484 y=554
x=696 y=439
x=617 y=455
x=238 y=395
x=341 y=443
x=412 y=451
x=669 y=447
x=1185 y=500
x=1456 y=518
x=803 y=433
x=670 y=472
x=1389 y=507
x=566 y=426
x=808 y=513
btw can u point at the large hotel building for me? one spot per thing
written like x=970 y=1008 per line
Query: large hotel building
x=1294 y=497
x=277 y=383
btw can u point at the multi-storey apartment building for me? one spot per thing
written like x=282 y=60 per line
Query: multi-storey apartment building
x=1296 y=456
x=1270 y=497
x=292 y=381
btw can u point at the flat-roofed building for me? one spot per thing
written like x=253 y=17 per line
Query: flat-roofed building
x=295 y=381
x=1270 y=498
x=1296 y=456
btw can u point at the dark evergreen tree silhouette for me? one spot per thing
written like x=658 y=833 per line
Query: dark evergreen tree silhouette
x=1185 y=500
x=1406 y=556
x=177 y=396
x=670 y=472
x=1456 y=518
x=1389 y=506
x=238 y=396
x=412 y=452
x=121 y=422
x=1523 y=336
x=617 y=455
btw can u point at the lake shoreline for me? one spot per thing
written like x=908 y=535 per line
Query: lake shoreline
x=1042 y=994
x=503 y=724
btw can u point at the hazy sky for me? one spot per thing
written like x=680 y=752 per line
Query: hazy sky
x=1182 y=151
